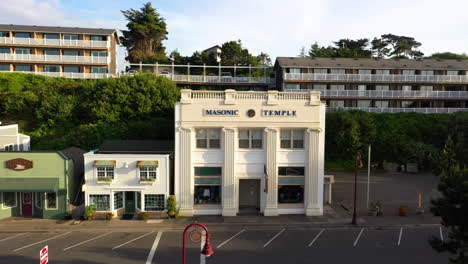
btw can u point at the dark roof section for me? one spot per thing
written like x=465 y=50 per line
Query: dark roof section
x=349 y=63
x=137 y=147
x=47 y=29
x=215 y=46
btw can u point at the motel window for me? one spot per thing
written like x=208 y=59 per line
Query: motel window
x=208 y=138
x=71 y=69
x=98 y=70
x=38 y=200
x=51 y=52
x=22 y=35
x=4 y=51
x=292 y=138
x=98 y=38
x=99 y=53
x=8 y=199
x=51 y=36
x=4 y=67
x=154 y=202
x=52 y=68
x=382 y=72
x=291 y=185
x=9 y=147
x=118 y=200
x=365 y=71
x=337 y=87
x=105 y=172
x=23 y=68
x=4 y=34
x=294 y=70
x=208 y=185
x=290 y=87
x=250 y=138
x=51 y=200
x=408 y=72
x=321 y=71
x=71 y=37
x=320 y=87
x=22 y=51
x=338 y=71
x=71 y=52
x=148 y=173
x=100 y=201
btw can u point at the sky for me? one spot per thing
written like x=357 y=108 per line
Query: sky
x=277 y=27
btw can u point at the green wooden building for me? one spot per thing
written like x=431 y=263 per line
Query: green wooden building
x=36 y=184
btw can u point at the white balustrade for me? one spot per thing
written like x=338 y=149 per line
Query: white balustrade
x=388 y=94
x=54 y=58
x=71 y=75
x=55 y=42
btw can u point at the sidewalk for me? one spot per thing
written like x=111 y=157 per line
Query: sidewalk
x=330 y=220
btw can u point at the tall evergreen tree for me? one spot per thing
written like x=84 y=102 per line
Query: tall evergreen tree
x=145 y=35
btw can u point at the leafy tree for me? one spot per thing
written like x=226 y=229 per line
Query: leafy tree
x=264 y=59
x=448 y=56
x=348 y=48
x=302 y=52
x=321 y=52
x=379 y=48
x=452 y=205
x=402 y=46
x=232 y=53
x=145 y=34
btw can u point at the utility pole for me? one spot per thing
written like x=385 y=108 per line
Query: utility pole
x=368 y=174
x=358 y=164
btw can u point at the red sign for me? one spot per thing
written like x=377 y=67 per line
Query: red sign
x=19 y=164
x=44 y=255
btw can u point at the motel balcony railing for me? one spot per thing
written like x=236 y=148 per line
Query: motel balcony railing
x=463 y=95
x=400 y=110
x=54 y=42
x=375 y=78
x=54 y=58
x=218 y=79
x=71 y=75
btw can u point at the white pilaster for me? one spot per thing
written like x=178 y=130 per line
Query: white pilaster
x=185 y=173
x=271 y=208
x=229 y=179
x=314 y=176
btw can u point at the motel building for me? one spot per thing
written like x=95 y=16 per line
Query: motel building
x=242 y=152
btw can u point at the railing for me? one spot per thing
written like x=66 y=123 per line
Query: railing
x=379 y=78
x=54 y=58
x=55 y=42
x=389 y=94
x=218 y=79
x=71 y=75
x=400 y=110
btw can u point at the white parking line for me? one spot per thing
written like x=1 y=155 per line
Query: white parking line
x=128 y=242
x=5 y=239
x=273 y=238
x=357 y=239
x=399 y=237
x=81 y=243
x=30 y=245
x=153 y=249
x=231 y=238
x=441 y=235
x=317 y=236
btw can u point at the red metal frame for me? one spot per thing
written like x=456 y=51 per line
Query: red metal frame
x=207 y=249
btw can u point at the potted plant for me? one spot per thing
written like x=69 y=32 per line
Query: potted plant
x=89 y=212
x=171 y=206
x=109 y=216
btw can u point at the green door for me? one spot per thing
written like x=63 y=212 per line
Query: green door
x=129 y=202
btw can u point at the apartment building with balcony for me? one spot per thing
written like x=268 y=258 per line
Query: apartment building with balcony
x=59 y=51
x=379 y=85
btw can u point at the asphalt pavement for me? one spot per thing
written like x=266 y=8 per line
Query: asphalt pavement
x=269 y=245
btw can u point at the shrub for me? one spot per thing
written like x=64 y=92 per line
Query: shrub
x=89 y=212
x=143 y=216
x=109 y=216
x=171 y=206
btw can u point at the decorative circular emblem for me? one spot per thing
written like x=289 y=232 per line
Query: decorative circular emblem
x=251 y=113
x=196 y=235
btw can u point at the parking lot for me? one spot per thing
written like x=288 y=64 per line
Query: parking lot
x=276 y=245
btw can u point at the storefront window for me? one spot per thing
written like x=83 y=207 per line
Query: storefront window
x=291 y=184
x=250 y=138
x=100 y=201
x=118 y=200
x=208 y=137
x=205 y=194
x=9 y=199
x=51 y=201
x=154 y=202
x=292 y=138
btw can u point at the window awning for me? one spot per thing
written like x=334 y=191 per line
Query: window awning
x=104 y=163
x=147 y=163
x=28 y=185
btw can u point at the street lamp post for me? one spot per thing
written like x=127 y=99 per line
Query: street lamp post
x=358 y=164
x=207 y=249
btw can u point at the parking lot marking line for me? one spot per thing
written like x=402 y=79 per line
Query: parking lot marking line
x=153 y=248
x=441 y=235
x=30 y=245
x=128 y=242
x=81 y=243
x=316 y=237
x=357 y=238
x=231 y=238
x=5 y=239
x=273 y=238
x=399 y=236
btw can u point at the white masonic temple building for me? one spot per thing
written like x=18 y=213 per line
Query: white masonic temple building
x=249 y=152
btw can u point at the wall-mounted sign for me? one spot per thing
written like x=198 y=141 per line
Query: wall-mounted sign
x=278 y=112
x=220 y=112
x=251 y=113
x=19 y=164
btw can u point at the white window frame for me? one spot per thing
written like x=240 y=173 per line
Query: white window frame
x=7 y=146
x=37 y=197
x=291 y=131
x=110 y=206
x=164 y=202
x=207 y=137
x=46 y=206
x=106 y=171
x=123 y=202
x=250 y=138
x=7 y=207
x=156 y=171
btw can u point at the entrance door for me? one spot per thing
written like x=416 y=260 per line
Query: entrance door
x=249 y=196
x=26 y=204
x=129 y=202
